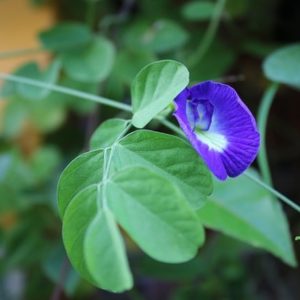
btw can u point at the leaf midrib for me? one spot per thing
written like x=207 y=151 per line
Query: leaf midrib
x=151 y=213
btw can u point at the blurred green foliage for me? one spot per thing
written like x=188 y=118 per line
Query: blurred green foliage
x=98 y=47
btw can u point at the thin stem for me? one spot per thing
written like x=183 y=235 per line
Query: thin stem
x=20 y=52
x=170 y=125
x=209 y=34
x=67 y=91
x=256 y=180
x=263 y=112
x=283 y=198
x=91 y=13
x=127 y=108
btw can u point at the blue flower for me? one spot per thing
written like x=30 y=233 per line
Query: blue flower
x=219 y=126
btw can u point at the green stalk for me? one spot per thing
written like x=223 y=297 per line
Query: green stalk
x=126 y=107
x=91 y=13
x=283 y=198
x=209 y=34
x=67 y=91
x=170 y=125
x=262 y=117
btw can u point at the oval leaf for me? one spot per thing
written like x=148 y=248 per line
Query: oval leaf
x=65 y=36
x=198 y=10
x=106 y=134
x=283 y=65
x=94 y=243
x=84 y=170
x=154 y=213
x=169 y=156
x=244 y=210
x=92 y=63
x=155 y=87
x=164 y=36
x=161 y=36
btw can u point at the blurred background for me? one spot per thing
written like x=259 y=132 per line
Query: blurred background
x=40 y=132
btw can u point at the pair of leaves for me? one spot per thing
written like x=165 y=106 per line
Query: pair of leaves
x=164 y=154
x=140 y=194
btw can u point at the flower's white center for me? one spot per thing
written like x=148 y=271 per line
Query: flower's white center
x=213 y=140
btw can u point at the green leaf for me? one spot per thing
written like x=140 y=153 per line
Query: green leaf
x=145 y=203
x=65 y=36
x=47 y=116
x=92 y=63
x=129 y=62
x=14 y=118
x=44 y=163
x=5 y=164
x=18 y=173
x=31 y=71
x=169 y=156
x=83 y=171
x=283 y=65
x=106 y=134
x=11 y=201
x=198 y=10
x=160 y=37
x=94 y=243
x=244 y=210
x=7 y=89
x=137 y=193
x=164 y=36
x=155 y=87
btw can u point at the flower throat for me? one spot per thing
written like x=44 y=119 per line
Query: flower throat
x=199 y=114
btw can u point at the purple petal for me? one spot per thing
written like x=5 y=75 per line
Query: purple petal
x=231 y=142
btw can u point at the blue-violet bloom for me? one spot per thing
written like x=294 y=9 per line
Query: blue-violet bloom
x=219 y=126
